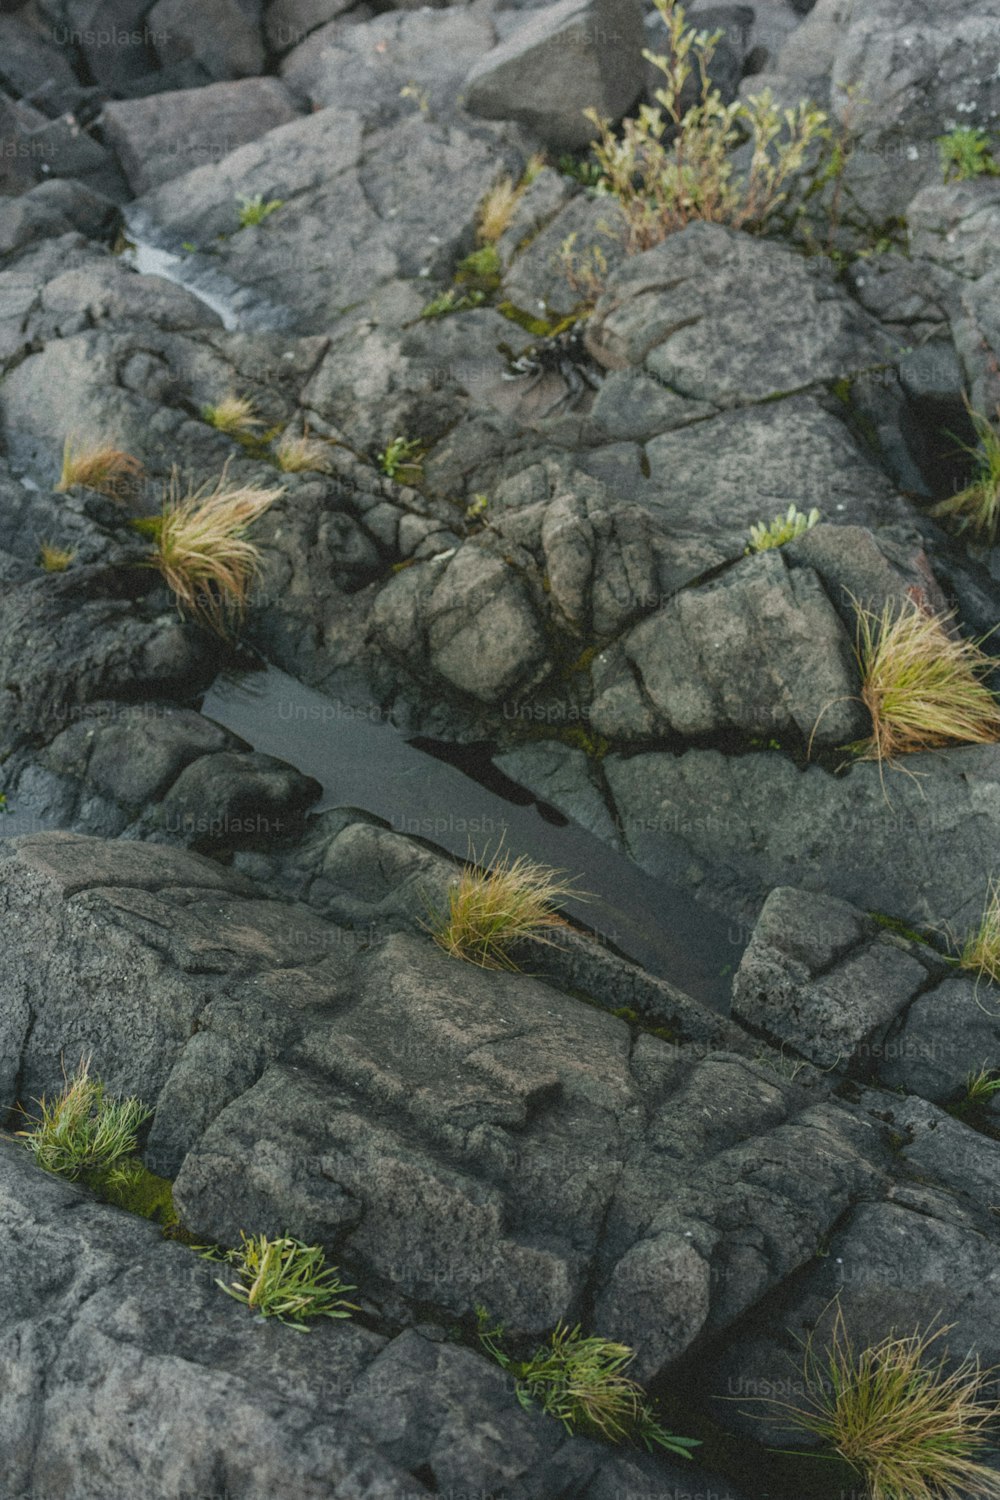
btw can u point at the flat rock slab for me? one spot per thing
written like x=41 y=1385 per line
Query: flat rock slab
x=365 y=1098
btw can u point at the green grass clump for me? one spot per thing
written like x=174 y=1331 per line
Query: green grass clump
x=781 y=530
x=909 y=1422
x=981 y=1086
x=201 y=548
x=256 y=209
x=402 y=459
x=673 y=163
x=965 y=153
x=482 y=269
x=581 y=1380
x=489 y=911
x=98 y=466
x=976 y=508
x=921 y=685
x=82 y=1130
x=54 y=559
x=287 y=1280
x=980 y=953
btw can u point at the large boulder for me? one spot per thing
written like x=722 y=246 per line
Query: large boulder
x=573 y=55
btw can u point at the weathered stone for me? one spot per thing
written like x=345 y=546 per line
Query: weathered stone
x=574 y=55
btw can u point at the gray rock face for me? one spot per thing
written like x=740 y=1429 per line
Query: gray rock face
x=393 y=65
x=572 y=56
x=719 y=316
x=166 y=135
x=761 y=652
x=223 y=37
x=361 y=1097
x=826 y=980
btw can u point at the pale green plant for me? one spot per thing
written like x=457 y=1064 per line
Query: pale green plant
x=980 y=1087
x=82 y=1130
x=673 y=162
x=965 y=153
x=234 y=415
x=980 y=953
x=256 y=209
x=286 y=1279
x=401 y=458
x=54 y=559
x=781 y=530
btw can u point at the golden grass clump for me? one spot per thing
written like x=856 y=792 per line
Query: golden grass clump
x=922 y=685
x=908 y=1420
x=233 y=414
x=980 y=953
x=489 y=911
x=497 y=210
x=54 y=559
x=298 y=455
x=200 y=547
x=99 y=466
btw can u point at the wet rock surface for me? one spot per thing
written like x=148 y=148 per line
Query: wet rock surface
x=557 y=593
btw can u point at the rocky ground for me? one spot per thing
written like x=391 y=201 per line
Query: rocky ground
x=697 y=1185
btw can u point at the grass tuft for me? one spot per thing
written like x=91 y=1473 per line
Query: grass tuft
x=980 y=952
x=497 y=210
x=298 y=455
x=100 y=467
x=965 y=153
x=980 y=1087
x=909 y=1421
x=233 y=414
x=977 y=508
x=781 y=530
x=54 y=559
x=82 y=1130
x=200 y=547
x=489 y=911
x=581 y=1380
x=921 y=685
x=287 y=1280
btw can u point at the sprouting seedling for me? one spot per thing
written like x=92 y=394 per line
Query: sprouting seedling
x=401 y=454
x=256 y=209
x=782 y=529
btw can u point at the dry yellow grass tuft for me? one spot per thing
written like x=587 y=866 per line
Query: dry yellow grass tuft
x=233 y=414
x=297 y=455
x=489 y=911
x=99 y=466
x=54 y=559
x=200 y=546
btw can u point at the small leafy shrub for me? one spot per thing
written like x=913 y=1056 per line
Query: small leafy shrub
x=966 y=153
x=54 y=559
x=402 y=459
x=299 y=455
x=581 y=1381
x=287 y=1280
x=673 y=164
x=82 y=1130
x=976 y=509
x=490 y=911
x=234 y=415
x=921 y=685
x=256 y=209
x=980 y=953
x=201 y=548
x=781 y=530
x=586 y=271
x=911 y=1424
x=100 y=467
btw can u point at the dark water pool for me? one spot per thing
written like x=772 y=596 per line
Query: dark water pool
x=363 y=762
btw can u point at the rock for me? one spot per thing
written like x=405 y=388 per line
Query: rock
x=592 y=230
x=948 y=1035
x=824 y=979
x=223 y=36
x=287 y=23
x=35 y=70
x=470 y=619
x=717 y=315
x=165 y=135
x=70 y=639
x=866 y=839
x=393 y=65
x=560 y=774
x=228 y=798
x=761 y=652
x=574 y=55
